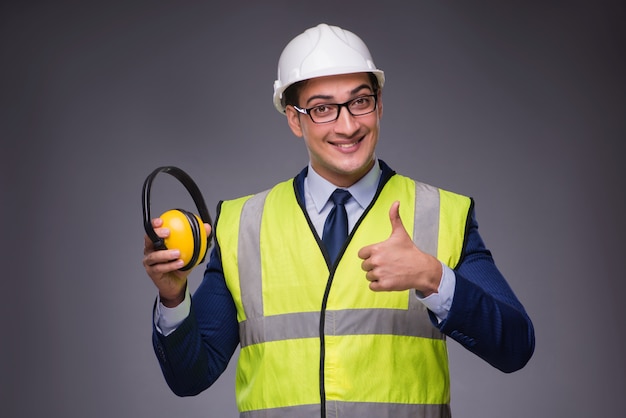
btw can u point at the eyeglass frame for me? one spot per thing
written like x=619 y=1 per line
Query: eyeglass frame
x=305 y=111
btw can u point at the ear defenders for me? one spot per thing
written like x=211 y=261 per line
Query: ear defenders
x=187 y=232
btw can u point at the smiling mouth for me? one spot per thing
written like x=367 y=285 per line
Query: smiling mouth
x=347 y=145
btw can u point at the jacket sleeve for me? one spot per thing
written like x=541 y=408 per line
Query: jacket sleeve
x=199 y=350
x=486 y=317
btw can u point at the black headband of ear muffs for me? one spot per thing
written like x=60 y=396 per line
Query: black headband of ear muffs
x=193 y=190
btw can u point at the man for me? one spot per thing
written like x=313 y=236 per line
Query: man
x=344 y=328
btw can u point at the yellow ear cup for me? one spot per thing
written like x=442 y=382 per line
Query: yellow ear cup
x=190 y=240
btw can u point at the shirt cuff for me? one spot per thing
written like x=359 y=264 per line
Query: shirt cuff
x=440 y=302
x=166 y=320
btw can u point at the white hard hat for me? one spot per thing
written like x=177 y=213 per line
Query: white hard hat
x=321 y=51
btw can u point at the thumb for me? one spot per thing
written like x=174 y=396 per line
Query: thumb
x=394 y=217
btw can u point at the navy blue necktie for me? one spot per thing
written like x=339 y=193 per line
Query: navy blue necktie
x=336 y=225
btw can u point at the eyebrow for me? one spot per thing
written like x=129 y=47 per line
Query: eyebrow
x=352 y=92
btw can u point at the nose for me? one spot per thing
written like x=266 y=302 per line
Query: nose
x=346 y=124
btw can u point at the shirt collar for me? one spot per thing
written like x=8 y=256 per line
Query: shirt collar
x=362 y=191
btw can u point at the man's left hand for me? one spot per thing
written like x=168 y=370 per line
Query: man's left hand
x=397 y=264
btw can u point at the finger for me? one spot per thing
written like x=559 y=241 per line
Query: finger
x=207 y=228
x=397 y=227
x=365 y=252
x=166 y=267
x=148 y=244
x=394 y=216
x=375 y=286
x=161 y=257
x=371 y=276
x=160 y=232
x=366 y=265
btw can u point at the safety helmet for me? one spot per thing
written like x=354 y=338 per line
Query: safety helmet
x=321 y=51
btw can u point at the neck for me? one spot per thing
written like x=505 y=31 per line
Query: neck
x=348 y=179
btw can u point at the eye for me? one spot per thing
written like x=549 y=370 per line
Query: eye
x=321 y=110
x=362 y=102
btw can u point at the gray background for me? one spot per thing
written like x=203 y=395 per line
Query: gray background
x=520 y=106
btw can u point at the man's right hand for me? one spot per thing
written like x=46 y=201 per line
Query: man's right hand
x=163 y=267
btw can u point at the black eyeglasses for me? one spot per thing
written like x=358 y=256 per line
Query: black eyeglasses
x=329 y=112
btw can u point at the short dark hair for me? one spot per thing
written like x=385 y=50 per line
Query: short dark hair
x=292 y=93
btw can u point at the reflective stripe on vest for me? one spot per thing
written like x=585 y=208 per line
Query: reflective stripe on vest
x=276 y=272
x=352 y=410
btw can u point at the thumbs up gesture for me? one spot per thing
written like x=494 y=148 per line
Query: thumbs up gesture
x=397 y=264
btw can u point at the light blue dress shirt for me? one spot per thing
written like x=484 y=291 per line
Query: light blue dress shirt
x=317 y=191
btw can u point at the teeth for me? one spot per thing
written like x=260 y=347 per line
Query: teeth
x=346 y=145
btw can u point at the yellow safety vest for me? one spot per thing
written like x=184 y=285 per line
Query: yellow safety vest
x=378 y=353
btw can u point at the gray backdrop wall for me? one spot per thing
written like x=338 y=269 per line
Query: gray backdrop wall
x=519 y=105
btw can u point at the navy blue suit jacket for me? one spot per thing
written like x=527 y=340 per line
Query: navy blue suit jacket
x=485 y=317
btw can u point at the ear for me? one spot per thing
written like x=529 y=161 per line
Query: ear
x=293 y=119
x=380 y=104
